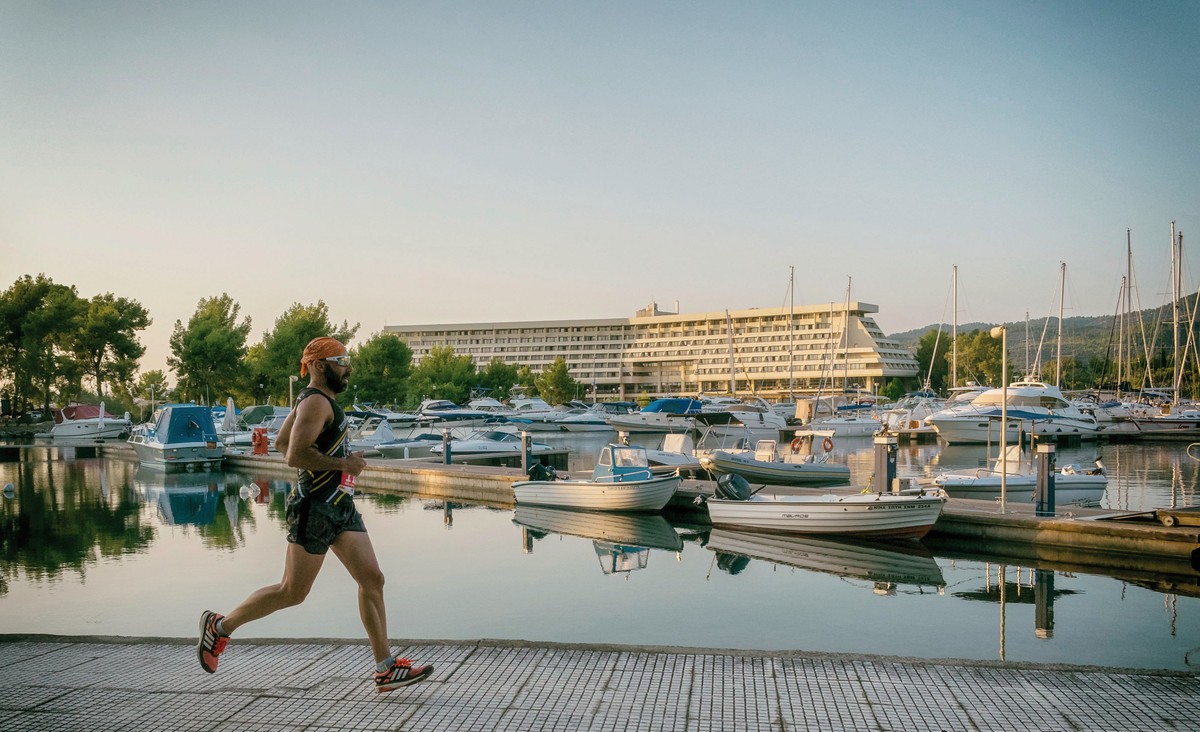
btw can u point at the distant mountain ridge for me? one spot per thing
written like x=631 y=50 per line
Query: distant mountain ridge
x=1085 y=336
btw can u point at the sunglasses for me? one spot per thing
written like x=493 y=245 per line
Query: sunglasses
x=342 y=361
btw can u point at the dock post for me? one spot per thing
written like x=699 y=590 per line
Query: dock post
x=526 y=452
x=446 y=447
x=885 y=462
x=1044 y=490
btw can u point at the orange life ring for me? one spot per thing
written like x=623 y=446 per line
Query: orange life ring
x=796 y=443
x=827 y=444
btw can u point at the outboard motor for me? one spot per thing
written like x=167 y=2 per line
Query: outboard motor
x=537 y=471
x=733 y=487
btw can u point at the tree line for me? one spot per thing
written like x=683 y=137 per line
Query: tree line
x=54 y=342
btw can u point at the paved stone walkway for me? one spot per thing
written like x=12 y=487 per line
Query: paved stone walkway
x=154 y=684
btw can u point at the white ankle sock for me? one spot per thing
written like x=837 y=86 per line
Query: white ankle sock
x=385 y=664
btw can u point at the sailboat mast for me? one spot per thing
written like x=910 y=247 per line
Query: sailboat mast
x=1176 y=266
x=954 y=332
x=732 y=371
x=1128 y=310
x=1027 y=372
x=846 y=342
x=792 y=333
x=1062 y=292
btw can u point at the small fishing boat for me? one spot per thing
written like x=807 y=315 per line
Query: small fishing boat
x=180 y=437
x=906 y=514
x=1073 y=486
x=621 y=481
x=766 y=465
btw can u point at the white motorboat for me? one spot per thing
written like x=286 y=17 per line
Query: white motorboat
x=906 y=514
x=445 y=413
x=907 y=417
x=661 y=415
x=675 y=450
x=886 y=562
x=621 y=481
x=1034 y=408
x=85 y=421
x=397 y=420
x=536 y=414
x=1073 y=486
x=179 y=437
x=369 y=432
x=596 y=418
x=415 y=446
x=489 y=442
x=849 y=424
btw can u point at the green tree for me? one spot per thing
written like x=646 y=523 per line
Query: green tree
x=979 y=358
x=106 y=341
x=555 y=384
x=208 y=354
x=442 y=375
x=499 y=377
x=934 y=349
x=149 y=390
x=279 y=357
x=382 y=366
x=38 y=319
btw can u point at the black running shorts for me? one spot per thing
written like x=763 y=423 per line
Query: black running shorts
x=315 y=524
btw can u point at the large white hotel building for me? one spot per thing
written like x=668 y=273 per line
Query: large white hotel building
x=764 y=351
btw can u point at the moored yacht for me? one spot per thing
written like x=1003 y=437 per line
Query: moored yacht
x=1034 y=408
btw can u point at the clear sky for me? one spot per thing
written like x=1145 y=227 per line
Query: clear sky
x=424 y=162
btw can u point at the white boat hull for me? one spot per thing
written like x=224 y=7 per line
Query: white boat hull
x=857 y=514
x=628 y=495
x=91 y=429
x=1069 y=490
x=585 y=426
x=654 y=422
x=979 y=430
x=188 y=456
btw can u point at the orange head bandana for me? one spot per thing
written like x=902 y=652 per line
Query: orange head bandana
x=318 y=349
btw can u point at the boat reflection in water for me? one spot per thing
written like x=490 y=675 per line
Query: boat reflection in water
x=622 y=541
x=194 y=498
x=885 y=564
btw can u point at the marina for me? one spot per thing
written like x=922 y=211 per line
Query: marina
x=450 y=534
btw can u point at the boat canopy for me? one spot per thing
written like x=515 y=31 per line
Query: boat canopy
x=674 y=405
x=185 y=423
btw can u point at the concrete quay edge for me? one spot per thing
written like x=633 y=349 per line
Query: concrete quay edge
x=143 y=684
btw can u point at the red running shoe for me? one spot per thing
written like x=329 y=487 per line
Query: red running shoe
x=401 y=673
x=211 y=642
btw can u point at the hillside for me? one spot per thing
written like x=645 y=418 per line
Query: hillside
x=1084 y=337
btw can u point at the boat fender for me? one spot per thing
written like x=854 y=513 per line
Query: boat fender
x=796 y=443
x=827 y=444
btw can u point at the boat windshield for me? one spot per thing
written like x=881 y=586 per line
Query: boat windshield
x=628 y=457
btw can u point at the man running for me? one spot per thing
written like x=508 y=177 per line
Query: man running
x=320 y=516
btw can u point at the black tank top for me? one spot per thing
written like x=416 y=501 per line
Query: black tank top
x=332 y=442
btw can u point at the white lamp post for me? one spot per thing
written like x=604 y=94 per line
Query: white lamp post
x=1001 y=332
x=291 y=380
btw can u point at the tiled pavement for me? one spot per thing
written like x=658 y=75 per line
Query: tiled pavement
x=154 y=684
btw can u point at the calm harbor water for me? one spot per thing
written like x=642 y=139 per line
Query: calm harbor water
x=102 y=546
